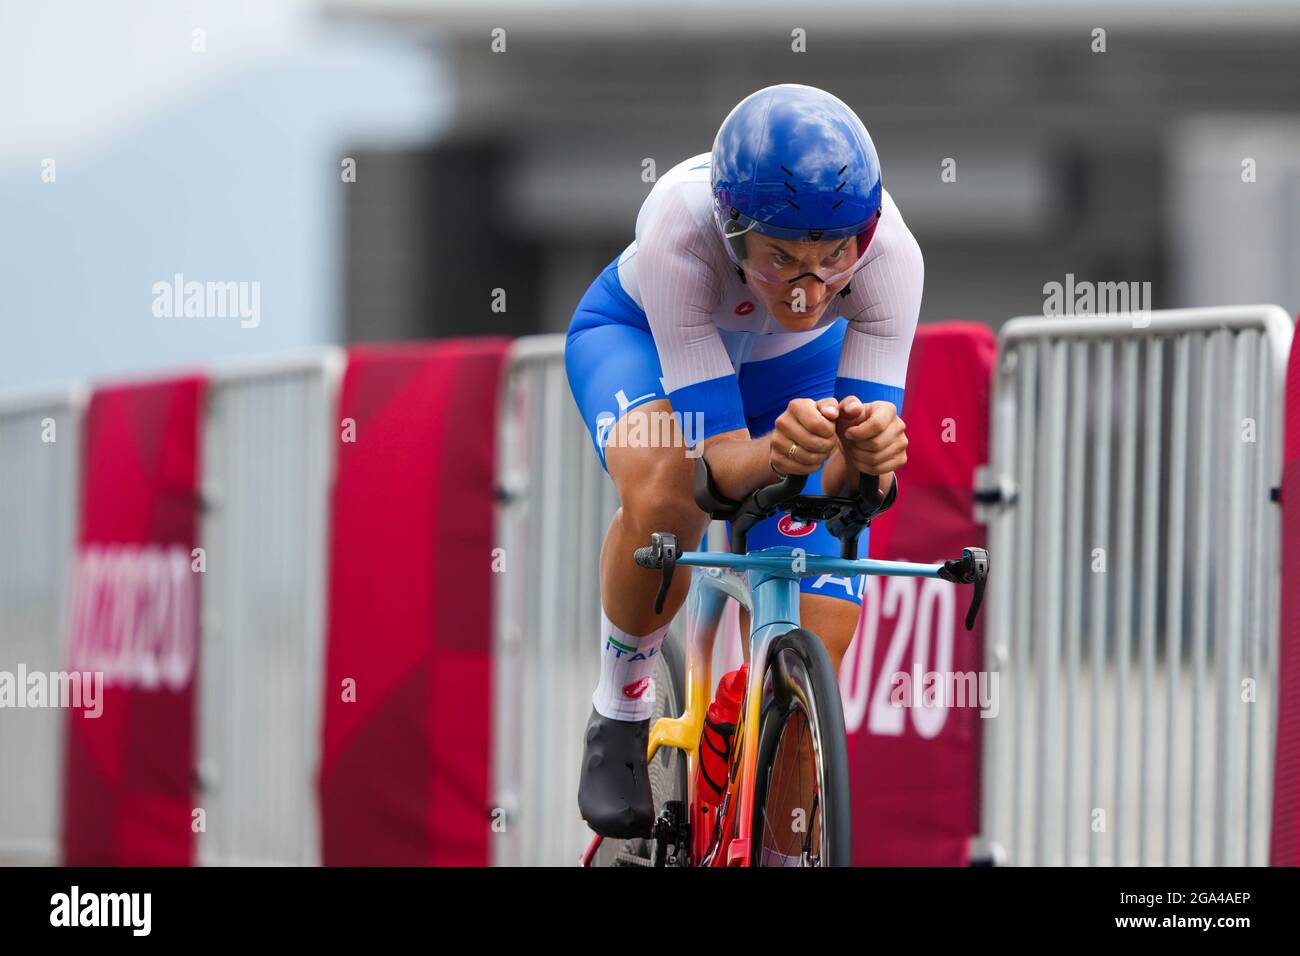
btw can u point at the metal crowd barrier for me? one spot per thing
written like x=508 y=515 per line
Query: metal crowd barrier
x=1134 y=595
x=556 y=503
x=268 y=462
x=1133 y=605
x=38 y=527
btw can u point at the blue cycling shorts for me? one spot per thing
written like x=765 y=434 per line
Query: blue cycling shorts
x=613 y=366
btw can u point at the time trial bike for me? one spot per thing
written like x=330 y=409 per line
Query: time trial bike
x=786 y=797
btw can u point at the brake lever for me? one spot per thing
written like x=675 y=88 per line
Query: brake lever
x=971 y=568
x=661 y=555
x=976 y=599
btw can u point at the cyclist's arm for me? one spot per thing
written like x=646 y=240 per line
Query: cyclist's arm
x=803 y=438
x=882 y=308
x=680 y=289
x=741 y=465
x=738 y=463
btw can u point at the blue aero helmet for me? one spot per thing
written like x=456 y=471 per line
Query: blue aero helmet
x=795 y=163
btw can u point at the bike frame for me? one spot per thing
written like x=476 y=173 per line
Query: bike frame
x=769 y=590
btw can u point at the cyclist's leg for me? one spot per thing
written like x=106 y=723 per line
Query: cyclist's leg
x=655 y=494
x=834 y=620
x=614 y=374
x=654 y=489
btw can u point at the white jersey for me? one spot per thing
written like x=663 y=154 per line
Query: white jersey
x=706 y=322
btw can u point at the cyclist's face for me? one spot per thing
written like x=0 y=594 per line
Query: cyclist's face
x=786 y=275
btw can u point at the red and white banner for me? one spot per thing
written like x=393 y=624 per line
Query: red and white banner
x=912 y=682
x=128 y=788
x=404 y=768
x=1285 y=849
x=404 y=776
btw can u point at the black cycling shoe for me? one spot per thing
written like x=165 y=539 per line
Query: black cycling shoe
x=614 y=790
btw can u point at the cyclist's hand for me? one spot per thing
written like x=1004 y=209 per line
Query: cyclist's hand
x=872 y=435
x=807 y=429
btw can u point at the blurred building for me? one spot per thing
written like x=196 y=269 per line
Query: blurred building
x=505 y=146
x=1123 y=165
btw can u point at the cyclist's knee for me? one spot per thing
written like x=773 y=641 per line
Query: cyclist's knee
x=655 y=489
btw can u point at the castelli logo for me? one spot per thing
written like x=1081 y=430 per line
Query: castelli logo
x=634 y=690
x=745 y=308
x=792 y=527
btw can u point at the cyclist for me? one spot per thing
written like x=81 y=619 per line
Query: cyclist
x=763 y=317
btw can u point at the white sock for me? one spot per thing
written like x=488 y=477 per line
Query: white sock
x=626 y=688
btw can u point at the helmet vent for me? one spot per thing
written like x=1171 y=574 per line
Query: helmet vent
x=789 y=172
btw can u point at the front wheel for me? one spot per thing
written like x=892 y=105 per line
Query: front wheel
x=801 y=798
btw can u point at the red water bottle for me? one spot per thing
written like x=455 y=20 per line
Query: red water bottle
x=716 y=741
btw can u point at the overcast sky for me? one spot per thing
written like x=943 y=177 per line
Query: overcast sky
x=220 y=165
